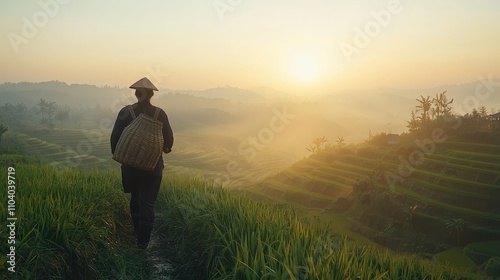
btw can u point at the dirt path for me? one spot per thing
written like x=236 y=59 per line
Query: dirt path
x=162 y=269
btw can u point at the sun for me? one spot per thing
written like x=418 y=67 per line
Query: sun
x=306 y=68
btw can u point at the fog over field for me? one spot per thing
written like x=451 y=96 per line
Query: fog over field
x=249 y=133
x=310 y=136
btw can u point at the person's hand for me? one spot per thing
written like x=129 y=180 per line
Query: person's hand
x=167 y=150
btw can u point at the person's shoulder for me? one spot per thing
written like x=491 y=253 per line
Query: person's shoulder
x=162 y=112
x=162 y=115
x=124 y=112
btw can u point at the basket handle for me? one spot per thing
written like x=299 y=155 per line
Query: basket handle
x=157 y=112
x=131 y=111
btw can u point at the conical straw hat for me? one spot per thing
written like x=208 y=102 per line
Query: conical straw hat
x=144 y=83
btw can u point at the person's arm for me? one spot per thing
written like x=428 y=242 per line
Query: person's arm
x=120 y=124
x=168 y=136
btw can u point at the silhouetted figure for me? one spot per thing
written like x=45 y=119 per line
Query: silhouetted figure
x=143 y=186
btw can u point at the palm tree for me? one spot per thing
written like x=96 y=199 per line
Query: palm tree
x=340 y=142
x=43 y=107
x=319 y=143
x=409 y=210
x=457 y=226
x=424 y=106
x=442 y=106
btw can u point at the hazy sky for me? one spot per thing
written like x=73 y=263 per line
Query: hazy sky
x=296 y=46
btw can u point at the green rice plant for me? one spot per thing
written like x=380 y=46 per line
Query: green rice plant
x=462 y=167
x=448 y=157
x=68 y=223
x=447 y=178
x=477 y=155
x=212 y=233
x=450 y=190
x=434 y=202
x=471 y=146
x=340 y=173
x=352 y=167
x=328 y=180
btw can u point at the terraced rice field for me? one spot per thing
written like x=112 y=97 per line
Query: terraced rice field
x=91 y=148
x=459 y=177
x=228 y=167
x=66 y=149
x=317 y=182
x=462 y=178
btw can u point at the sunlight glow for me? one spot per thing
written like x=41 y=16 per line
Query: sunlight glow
x=306 y=68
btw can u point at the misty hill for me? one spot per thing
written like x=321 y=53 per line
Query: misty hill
x=73 y=95
x=348 y=114
x=209 y=132
x=87 y=95
x=229 y=93
x=389 y=109
x=448 y=199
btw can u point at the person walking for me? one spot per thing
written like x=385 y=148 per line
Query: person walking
x=142 y=185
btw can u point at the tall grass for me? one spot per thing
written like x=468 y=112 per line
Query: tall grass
x=68 y=224
x=71 y=225
x=211 y=233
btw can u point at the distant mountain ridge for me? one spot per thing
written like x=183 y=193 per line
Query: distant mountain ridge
x=85 y=94
x=359 y=112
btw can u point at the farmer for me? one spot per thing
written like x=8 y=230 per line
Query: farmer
x=143 y=186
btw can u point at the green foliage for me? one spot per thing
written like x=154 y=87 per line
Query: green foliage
x=340 y=143
x=47 y=109
x=379 y=140
x=487 y=253
x=12 y=145
x=216 y=234
x=424 y=108
x=3 y=129
x=457 y=227
x=68 y=224
x=492 y=267
x=442 y=107
x=71 y=223
x=455 y=256
x=318 y=144
x=487 y=248
x=62 y=116
x=436 y=113
x=15 y=160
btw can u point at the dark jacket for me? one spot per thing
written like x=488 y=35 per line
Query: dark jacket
x=125 y=118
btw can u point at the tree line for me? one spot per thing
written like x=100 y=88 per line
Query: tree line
x=46 y=114
x=433 y=112
x=50 y=113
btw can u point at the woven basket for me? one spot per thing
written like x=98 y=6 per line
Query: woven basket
x=141 y=142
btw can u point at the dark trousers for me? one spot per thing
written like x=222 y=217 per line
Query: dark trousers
x=143 y=187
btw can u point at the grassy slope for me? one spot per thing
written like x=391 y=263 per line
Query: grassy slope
x=447 y=179
x=70 y=224
x=214 y=233
x=457 y=180
x=317 y=182
x=73 y=224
